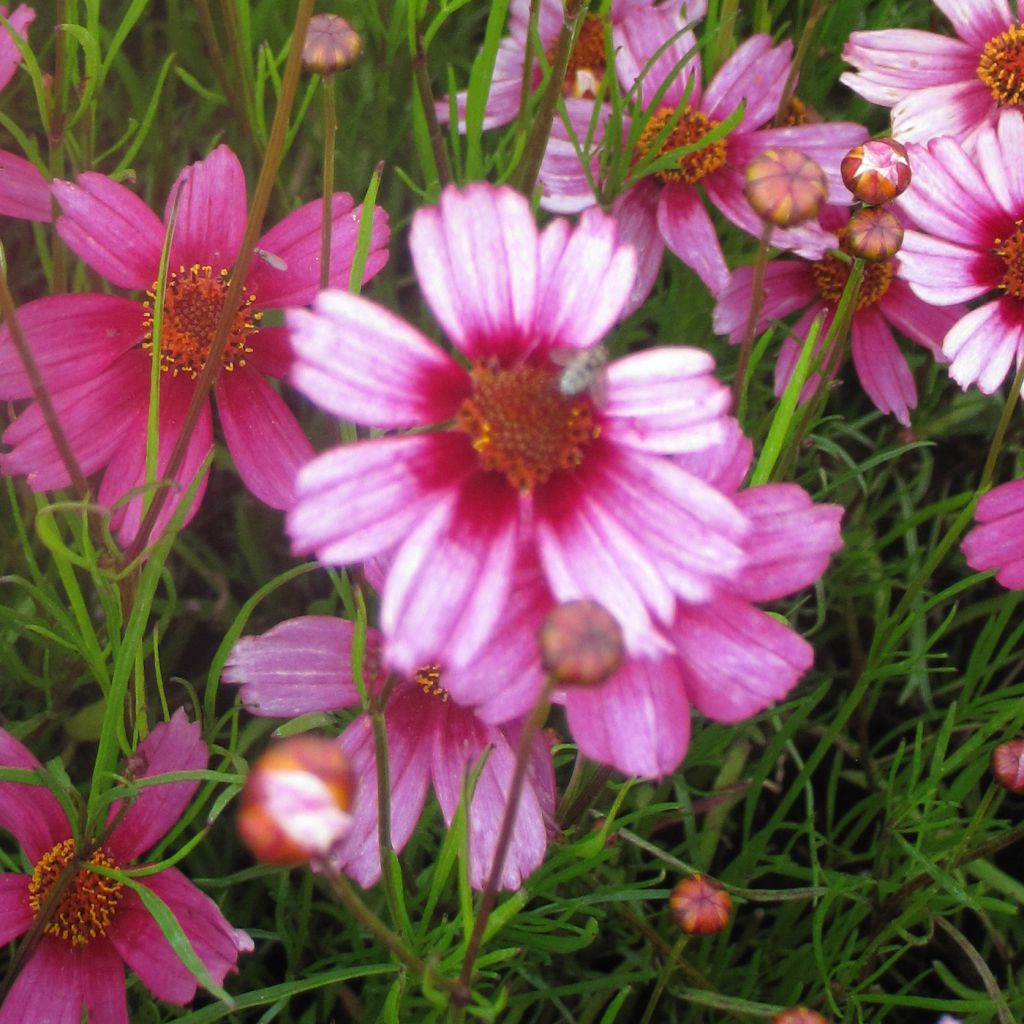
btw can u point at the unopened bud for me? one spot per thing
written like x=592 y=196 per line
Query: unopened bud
x=785 y=187
x=1008 y=765
x=580 y=643
x=331 y=45
x=700 y=905
x=799 y=1015
x=876 y=171
x=296 y=804
x=874 y=234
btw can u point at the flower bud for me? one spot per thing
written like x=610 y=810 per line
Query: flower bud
x=876 y=171
x=874 y=234
x=296 y=803
x=580 y=643
x=700 y=905
x=1008 y=765
x=785 y=187
x=331 y=45
x=799 y=1015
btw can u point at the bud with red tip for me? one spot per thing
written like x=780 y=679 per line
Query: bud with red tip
x=874 y=234
x=876 y=171
x=1008 y=765
x=700 y=905
x=331 y=45
x=799 y=1015
x=580 y=643
x=296 y=804
x=785 y=187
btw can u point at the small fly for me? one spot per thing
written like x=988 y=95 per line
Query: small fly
x=583 y=371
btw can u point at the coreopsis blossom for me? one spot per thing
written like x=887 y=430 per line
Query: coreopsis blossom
x=815 y=286
x=966 y=241
x=24 y=192
x=520 y=458
x=99 y=924
x=666 y=208
x=10 y=56
x=304 y=665
x=937 y=85
x=997 y=541
x=102 y=395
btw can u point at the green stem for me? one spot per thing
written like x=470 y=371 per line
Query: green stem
x=798 y=59
x=257 y=211
x=663 y=977
x=526 y=83
x=426 y=94
x=739 y=384
x=1000 y=435
x=55 y=138
x=330 y=131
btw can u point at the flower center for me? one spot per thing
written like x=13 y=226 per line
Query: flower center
x=1001 y=66
x=1012 y=252
x=523 y=426
x=799 y=113
x=428 y=678
x=831 y=273
x=690 y=129
x=586 y=65
x=87 y=904
x=193 y=301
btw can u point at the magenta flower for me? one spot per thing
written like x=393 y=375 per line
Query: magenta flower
x=24 y=192
x=666 y=208
x=304 y=665
x=100 y=925
x=102 y=395
x=10 y=55
x=969 y=243
x=997 y=541
x=521 y=458
x=937 y=85
x=815 y=286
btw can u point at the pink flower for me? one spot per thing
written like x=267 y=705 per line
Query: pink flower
x=665 y=208
x=969 y=243
x=304 y=665
x=937 y=85
x=100 y=924
x=24 y=192
x=102 y=394
x=10 y=55
x=997 y=542
x=884 y=302
x=521 y=460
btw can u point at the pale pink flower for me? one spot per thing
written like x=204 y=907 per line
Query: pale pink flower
x=101 y=925
x=304 y=665
x=997 y=541
x=102 y=394
x=10 y=56
x=937 y=85
x=969 y=244
x=666 y=207
x=815 y=286
x=518 y=460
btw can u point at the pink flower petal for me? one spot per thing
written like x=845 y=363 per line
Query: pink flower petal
x=644 y=36
x=791 y=541
x=476 y=260
x=96 y=328
x=920 y=321
x=338 y=363
x=24 y=192
x=361 y=500
x=103 y=989
x=468 y=540
x=880 y=365
x=138 y=939
x=263 y=436
x=295 y=241
x=724 y=465
x=754 y=74
x=49 y=987
x=977 y=21
x=740 y=660
x=174 y=746
x=943 y=273
x=110 y=228
x=983 y=344
x=957 y=109
x=299 y=666
x=636 y=211
x=689 y=233
x=271 y=352
x=788 y=286
x=998 y=155
x=10 y=56
x=30 y=813
x=16 y=916
x=564 y=181
x=997 y=541
x=584 y=281
x=211 y=212
x=637 y=722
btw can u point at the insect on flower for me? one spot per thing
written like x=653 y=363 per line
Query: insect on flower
x=271 y=259
x=583 y=371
